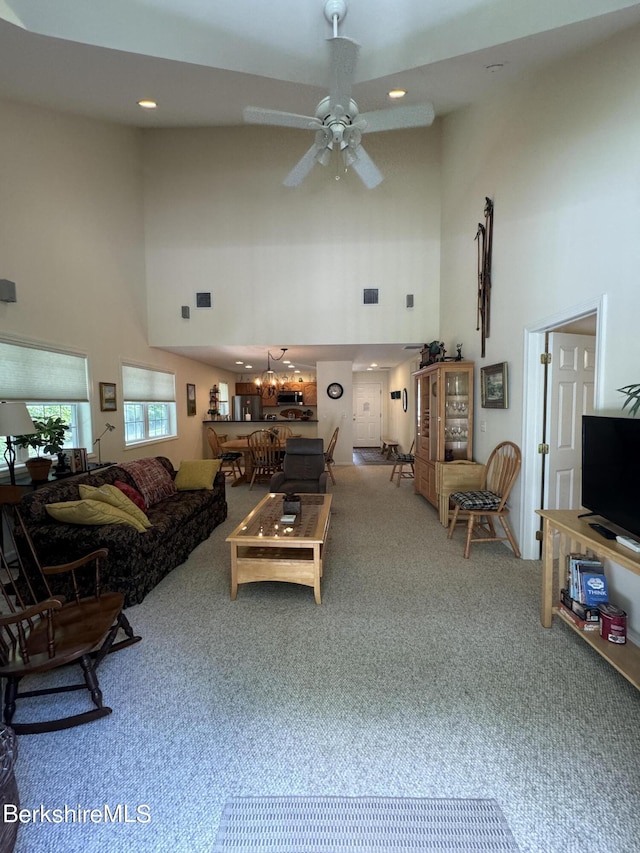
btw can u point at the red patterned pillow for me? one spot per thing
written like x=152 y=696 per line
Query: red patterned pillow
x=152 y=479
x=133 y=494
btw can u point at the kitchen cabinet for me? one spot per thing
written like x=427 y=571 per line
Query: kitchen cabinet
x=444 y=421
x=246 y=389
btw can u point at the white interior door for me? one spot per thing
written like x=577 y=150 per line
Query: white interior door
x=570 y=390
x=367 y=414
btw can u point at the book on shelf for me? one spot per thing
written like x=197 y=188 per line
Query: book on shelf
x=581 y=624
x=586 y=580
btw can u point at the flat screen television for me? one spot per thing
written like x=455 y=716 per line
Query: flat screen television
x=611 y=470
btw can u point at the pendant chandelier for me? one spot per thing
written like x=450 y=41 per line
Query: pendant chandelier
x=269 y=381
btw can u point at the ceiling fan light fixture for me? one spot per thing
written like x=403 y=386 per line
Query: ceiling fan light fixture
x=323 y=157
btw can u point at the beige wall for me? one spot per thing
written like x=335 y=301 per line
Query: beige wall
x=289 y=265
x=559 y=157
x=72 y=238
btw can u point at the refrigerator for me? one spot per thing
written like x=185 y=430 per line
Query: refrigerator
x=246 y=404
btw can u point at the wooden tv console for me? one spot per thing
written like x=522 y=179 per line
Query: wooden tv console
x=575 y=535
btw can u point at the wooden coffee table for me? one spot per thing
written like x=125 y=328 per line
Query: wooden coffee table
x=265 y=549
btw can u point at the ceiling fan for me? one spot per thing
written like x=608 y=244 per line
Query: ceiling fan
x=337 y=123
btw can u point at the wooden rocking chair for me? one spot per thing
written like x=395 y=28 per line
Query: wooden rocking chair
x=40 y=634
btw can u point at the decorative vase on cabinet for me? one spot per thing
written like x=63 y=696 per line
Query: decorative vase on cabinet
x=444 y=420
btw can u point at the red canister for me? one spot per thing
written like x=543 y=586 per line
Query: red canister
x=613 y=623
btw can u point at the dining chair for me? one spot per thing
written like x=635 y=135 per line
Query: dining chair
x=328 y=454
x=489 y=502
x=401 y=461
x=230 y=458
x=266 y=455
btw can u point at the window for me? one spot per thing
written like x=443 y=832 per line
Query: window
x=149 y=404
x=52 y=383
x=223 y=402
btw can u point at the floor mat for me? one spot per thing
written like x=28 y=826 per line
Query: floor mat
x=362 y=825
x=371 y=456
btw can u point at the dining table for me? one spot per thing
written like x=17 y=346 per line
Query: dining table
x=242 y=445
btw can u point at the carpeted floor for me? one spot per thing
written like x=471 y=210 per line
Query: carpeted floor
x=422 y=674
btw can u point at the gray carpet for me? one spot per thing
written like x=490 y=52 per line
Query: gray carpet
x=362 y=825
x=422 y=674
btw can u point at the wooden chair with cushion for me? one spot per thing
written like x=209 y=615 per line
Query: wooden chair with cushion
x=40 y=632
x=489 y=502
x=230 y=458
x=266 y=455
x=328 y=454
x=402 y=461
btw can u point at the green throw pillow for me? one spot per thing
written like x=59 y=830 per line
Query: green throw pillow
x=91 y=512
x=197 y=474
x=114 y=497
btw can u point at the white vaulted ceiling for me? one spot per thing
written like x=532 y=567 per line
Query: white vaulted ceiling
x=204 y=60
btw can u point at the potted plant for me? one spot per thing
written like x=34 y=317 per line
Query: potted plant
x=48 y=438
x=632 y=393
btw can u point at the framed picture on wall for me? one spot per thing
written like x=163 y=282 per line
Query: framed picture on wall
x=493 y=385
x=108 y=402
x=191 y=399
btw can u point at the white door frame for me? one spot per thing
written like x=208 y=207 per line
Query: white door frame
x=532 y=409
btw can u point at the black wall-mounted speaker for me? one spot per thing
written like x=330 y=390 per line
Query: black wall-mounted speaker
x=409 y=300
x=186 y=313
x=7 y=290
x=203 y=300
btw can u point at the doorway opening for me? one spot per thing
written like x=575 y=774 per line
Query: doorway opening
x=552 y=414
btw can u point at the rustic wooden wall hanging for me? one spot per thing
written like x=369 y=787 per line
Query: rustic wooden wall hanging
x=484 y=237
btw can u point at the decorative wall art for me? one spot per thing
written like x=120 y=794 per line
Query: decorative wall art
x=191 y=399
x=493 y=385
x=484 y=236
x=108 y=401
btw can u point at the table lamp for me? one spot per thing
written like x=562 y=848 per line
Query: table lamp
x=14 y=420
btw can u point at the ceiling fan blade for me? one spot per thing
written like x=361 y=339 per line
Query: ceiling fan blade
x=344 y=56
x=257 y=115
x=421 y=115
x=302 y=168
x=365 y=168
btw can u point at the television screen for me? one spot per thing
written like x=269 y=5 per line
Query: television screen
x=611 y=470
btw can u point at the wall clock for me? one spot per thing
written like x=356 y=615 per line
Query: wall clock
x=335 y=390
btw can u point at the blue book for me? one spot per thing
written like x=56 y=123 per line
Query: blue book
x=593 y=584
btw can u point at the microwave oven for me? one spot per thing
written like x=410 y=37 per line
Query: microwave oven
x=289 y=398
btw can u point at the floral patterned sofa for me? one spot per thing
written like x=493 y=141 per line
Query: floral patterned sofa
x=137 y=561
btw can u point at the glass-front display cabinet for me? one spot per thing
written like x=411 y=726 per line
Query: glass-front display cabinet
x=444 y=420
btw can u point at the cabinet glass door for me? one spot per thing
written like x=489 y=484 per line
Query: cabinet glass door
x=456 y=413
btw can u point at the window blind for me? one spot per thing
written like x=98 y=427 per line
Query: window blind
x=142 y=385
x=35 y=374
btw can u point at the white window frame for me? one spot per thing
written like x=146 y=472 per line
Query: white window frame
x=139 y=382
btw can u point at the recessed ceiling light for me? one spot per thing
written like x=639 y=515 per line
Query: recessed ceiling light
x=373 y=364
x=397 y=93
x=239 y=362
x=147 y=104
x=248 y=366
